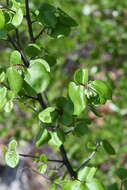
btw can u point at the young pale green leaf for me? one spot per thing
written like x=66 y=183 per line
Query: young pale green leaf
x=47 y=15
x=37 y=77
x=81 y=76
x=15 y=80
x=74 y=185
x=43 y=62
x=2 y=77
x=15 y=58
x=18 y=17
x=53 y=187
x=42 y=137
x=47 y=115
x=108 y=147
x=15 y=5
x=12 y=145
x=95 y=184
x=32 y=50
x=8 y=106
x=87 y=173
x=12 y=158
x=77 y=96
x=2 y=20
x=42 y=168
x=57 y=139
x=43 y=158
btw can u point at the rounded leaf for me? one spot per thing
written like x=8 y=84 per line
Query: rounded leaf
x=15 y=58
x=12 y=158
x=15 y=80
x=42 y=137
x=47 y=115
x=108 y=147
x=32 y=50
x=37 y=77
x=12 y=145
x=18 y=17
x=74 y=185
x=81 y=76
x=77 y=96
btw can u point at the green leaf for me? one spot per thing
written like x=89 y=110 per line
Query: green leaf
x=47 y=15
x=73 y=185
x=37 y=77
x=66 y=109
x=2 y=77
x=3 y=33
x=121 y=173
x=15 y=58
x=32 y=50
x=3 y=100
x=65 y=19
x=113 y=186
x=12 y=158
x=43 y=158
x=95 y=184
x=16 y=5
x=51 y=59
x=80 y=129
x=66 y=119
x=43 y=62
x=87 y=173
x=15 y=80
x=2 y=20
x=8 y=106
x=60 y=30
x=18 y=17
x=57 y=139
x=12 y=145
x=102 y=88
x=108 y=147
x=47 y=115
x=42 y=137
x=77 y=96
x=81 y=76
x=42 y=168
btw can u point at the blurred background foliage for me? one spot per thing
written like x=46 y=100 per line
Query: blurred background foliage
x=99 y=43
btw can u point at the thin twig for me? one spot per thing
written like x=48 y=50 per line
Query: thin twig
x=41 y=101
x=25 y=61
x=90 y=157
x=29 y=23
x=37 y=157
x=40 y=33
